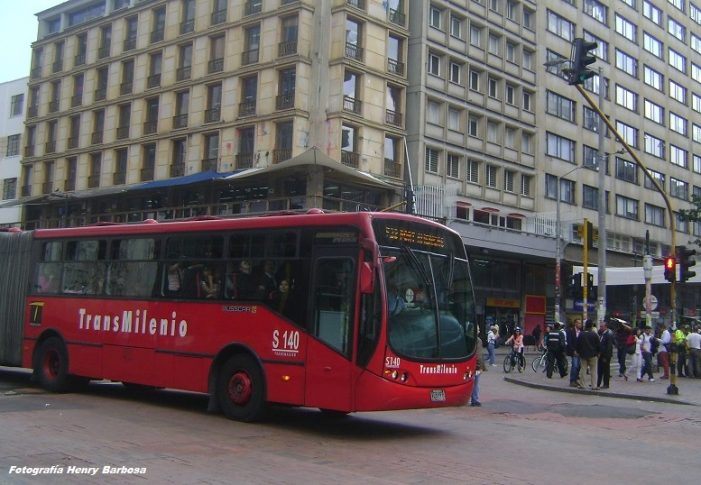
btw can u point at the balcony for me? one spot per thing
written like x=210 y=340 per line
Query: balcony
x=35 y=73
x=157 y=35
x=180 y=121
x=187 y=26
x=73 y=142
x=249 y=57
x=351 y=104
x=100 y=94
x=247 y=108
x=103 y=52
x=93 y=181
x=32 y=112
x=285 y=101
x=350 y=159
x=395 y=67
x=392 y=168
x=183 y=73
x=396 y=17
x=281 y=154
x=69 y=184
x=244 y=160
x=76 y=100
x=53 y=106
x=122 y=132
x=96 y=138
x=210 y=164
x=57 y=66
x=354 y=52
x=119 y=178
x=218 y=17
x=150 y=127
x=126 y=87
x=79 y=59
x=130 y=43
x=153 y=81
x=287 y=48
x=212 y=115
x=215 y=65
x=177 y=169
x=146 y=174
x=50 y=147
x=393 y=118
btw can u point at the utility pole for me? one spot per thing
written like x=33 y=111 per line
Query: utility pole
x=603 y=159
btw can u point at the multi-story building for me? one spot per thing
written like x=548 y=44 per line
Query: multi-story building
x=12 y=100
x=171 y=108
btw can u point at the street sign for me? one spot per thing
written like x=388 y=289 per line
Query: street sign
x=652 y=303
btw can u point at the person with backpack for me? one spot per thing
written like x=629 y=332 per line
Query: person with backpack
x=555 y=343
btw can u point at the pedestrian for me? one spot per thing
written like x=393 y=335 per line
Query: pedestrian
x=646 y=342
x=679 y=341
x=693 y=341
x=571 y=342
x=555 y=344
x=475 y=396
x=605 y=354
x=491 y=345
x=588 y=350
x=625 y=345
x=636 y=363
x=665 y=342
x=536 y=337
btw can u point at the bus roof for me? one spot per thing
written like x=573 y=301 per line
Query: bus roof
x=313 y=217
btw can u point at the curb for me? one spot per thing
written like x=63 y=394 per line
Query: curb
x=571 y=390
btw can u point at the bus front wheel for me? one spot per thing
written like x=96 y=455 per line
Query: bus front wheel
x=52 y=365
x=240 y=389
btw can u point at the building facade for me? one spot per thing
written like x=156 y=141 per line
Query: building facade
x=174 y=108
x=13 y=95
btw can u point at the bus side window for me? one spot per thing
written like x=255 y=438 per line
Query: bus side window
x=333 y=305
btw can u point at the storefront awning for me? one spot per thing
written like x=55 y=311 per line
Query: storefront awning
x=194 y=178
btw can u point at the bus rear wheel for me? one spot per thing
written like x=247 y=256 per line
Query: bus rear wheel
x=52 y=365
x=240 y=389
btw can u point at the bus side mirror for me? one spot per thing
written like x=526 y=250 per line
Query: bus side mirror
x=367 y=280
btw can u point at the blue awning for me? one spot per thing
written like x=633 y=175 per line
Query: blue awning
x=194 y=178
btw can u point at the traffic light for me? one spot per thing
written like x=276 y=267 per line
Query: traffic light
x=574 y=286
x=580 y=59
x=670 y=268
x=591 y=291
x=686 y=261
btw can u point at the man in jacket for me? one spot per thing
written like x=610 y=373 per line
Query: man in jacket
x=555 y=343
x=605 y=354
x=588 y=350
x=572 y=334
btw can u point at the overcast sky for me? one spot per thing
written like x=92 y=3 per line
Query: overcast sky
x=18 y=29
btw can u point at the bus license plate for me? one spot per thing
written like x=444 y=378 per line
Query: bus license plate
x=437 y=395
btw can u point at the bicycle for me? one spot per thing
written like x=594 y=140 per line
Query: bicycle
x=539 y=362
x=514 y=359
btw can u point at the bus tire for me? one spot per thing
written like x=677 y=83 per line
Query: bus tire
x=241 y=389
x=52 y=365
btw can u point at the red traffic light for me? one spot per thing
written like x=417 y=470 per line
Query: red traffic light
x=670 y=268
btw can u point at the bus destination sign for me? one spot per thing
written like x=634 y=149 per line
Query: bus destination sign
x=414 y=237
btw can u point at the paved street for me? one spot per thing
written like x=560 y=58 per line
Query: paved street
x=520 y=435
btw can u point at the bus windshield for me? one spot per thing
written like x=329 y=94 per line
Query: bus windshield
x=430 y=304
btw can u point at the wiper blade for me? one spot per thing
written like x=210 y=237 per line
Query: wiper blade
x=417 y=264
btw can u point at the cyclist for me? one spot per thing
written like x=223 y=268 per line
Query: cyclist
x=555 y=343
x=516 y=342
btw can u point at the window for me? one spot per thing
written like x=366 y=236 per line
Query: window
x=629 y=133
x=654 y=78
x=678 y=124
x=678 y=188
x=476 y=36
x=696 y=72
x=510 y=94
x=473 y=167
x=453 y=165
x=659 y=178
x=158 y=25
x=677 y=3
x=560 y=106
x=695 y=13
x=492 y=132
x=493 y=88
x=455 y=70
x=491 y=176
x=626 y=207
x=474 y=80
x=434 y=64
x=431 y=163
x=626 y=170
x=591 y=119
x=511 y=52
x=590 y=197
x=454 y=119
x=626 y=63
x=654 y=112
x=251 y=50
x=654 y=215
x=677 y=61
x=626 y=98
x=560 y=26
x=510 y=137
x=596 y=10
x=434 y=113
x=696 y=102
x=9 y=188
x=696 y=132
x=677 y=91
x=626 y=28
x=473 y=126
x=494 y=44
x=654 y=146
x=602 y=49
x=509 y=176
x=435 y=18
x=12 y=145
x=16 y=104
x=156 y=64
x=678 y=156
x=676 y=29
x=187 y=23
x=131 y=32
x=456 y=26
x=652 y=45
x=559 y=147
x=526 y=185
x=696 y=43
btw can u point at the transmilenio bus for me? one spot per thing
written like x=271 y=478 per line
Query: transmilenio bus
x=340 y=311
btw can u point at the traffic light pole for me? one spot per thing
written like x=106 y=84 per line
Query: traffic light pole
x=672 y=389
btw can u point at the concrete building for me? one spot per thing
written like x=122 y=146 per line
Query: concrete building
x=13 y=95
x=174 y=108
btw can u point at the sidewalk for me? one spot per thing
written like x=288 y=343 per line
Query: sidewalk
x=689 y=388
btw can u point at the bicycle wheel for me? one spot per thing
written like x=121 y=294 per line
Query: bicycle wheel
x=537 y=362
x=521 y=363
x=507 y=364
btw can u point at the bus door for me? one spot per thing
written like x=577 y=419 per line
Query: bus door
x=331 y=308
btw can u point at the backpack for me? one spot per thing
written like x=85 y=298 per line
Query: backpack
x=654 y=344
x=630 y=344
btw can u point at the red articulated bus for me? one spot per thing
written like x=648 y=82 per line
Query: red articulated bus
x=344 y=312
